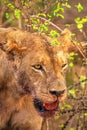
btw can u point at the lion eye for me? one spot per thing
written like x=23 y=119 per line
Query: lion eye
x=64 y=66
x=38 y=67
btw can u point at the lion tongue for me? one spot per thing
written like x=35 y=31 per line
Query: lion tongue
x=50 y=106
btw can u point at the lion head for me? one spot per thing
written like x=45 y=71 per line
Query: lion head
x=38 y=68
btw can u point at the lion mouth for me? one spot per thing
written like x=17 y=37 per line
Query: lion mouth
x=46 y=109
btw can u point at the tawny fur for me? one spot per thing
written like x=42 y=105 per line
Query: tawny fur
x=20 y=83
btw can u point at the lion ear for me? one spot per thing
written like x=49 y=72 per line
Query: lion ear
x=65 y=40
x=67 y=44
x=12 y=46
x=8 y=42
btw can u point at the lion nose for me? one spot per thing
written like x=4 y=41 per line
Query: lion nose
x=57 y=93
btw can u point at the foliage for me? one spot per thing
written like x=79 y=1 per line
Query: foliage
x=80 y=22
x=38 y=15
x=79 y=7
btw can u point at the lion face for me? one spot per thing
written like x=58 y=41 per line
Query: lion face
x=42 y=74
x=39 y=68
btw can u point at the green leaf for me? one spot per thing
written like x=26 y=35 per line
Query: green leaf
x=66 y=5
x=79 y=7
x=76 y=43
x=85 y=114
x=55 y=42
x=71 y=57
x=42 y=14
x=17 y=13
x=54 y=34
x=7 y=15
x=72 y=92
x=47 y=22
x=34 y=20
x=35 y=27
x=24 y=3
x=61 y=126
x=43 y=28
x=60 y=15
x=11 y=6
x=80 y=26
x=77 y=19
x=67 y=25
x=71 y=129
x=57 y=117
x=73 y=34
x=66 y=106
x=58 y=9
x=84 y=20
x=83 y=84
x=71 y=64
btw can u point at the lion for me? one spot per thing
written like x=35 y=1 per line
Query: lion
x=32 y=78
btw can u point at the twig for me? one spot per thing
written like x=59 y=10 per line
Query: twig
x=78 y=122
x=80 y=98
x=80 y=52
x=6 y=22
x=67 y=124
x=50 y=23
x=74 y=110
x=77 y=84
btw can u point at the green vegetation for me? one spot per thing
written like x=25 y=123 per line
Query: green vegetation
x=49 y=17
